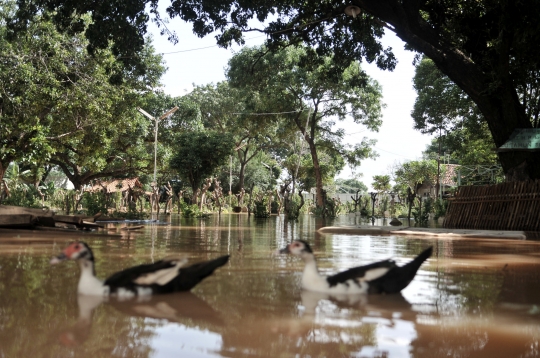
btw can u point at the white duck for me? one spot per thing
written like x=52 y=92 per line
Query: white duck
x=164 y=276
x=379 y=277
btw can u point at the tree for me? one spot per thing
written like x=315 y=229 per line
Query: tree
x=197 y=155
x=488 y=48
x=409 y=176
x=442 y=107
x=312 y=98
x=350 y=186
x=59 y=108
x=413 y=173
x=381 y=183
x=239 y=113
x=186 y=119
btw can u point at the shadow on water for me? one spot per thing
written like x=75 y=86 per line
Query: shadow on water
x=473 y=298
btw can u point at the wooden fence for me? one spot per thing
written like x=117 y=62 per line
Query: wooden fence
x=506 y=206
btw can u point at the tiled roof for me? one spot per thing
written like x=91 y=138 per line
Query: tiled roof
x=449 y=174
x=117 y=185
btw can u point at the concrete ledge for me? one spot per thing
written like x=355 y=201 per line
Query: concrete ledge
x=418 y=231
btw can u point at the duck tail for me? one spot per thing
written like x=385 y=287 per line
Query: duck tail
x=191 y=275
x=409 y=270
x=208 y=267
x=399 y=277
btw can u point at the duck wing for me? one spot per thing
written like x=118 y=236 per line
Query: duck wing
x=190 y=276
x=397 y=278
x=160 y=272
x=363 y=273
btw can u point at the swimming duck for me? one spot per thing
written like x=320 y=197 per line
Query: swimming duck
x=164 y=276
x=379 y=277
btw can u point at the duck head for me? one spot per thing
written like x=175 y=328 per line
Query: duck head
x=298 y=248
x=75 y=251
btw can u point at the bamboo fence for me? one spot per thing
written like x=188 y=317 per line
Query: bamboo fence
x=506 y=206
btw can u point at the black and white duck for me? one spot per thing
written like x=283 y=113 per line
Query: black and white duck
x=378 y=277
x=165 y=276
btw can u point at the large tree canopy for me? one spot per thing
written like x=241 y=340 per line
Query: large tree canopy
x=57 y=106
x=241 y=113
x=198 y=155
x=442 y=108
x=315 y=100
x=488 y=48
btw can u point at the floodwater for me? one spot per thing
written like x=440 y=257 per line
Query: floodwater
x=473 y=298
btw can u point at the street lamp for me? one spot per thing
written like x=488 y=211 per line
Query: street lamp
x=163 y=116
x=352 y=10
x=373 y=198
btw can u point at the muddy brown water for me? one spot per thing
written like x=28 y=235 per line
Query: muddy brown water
x=473 y=298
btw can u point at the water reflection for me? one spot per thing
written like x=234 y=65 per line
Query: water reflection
x=183 y=308
x=473 y=298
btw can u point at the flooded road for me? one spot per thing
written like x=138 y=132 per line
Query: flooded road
x=473 y=298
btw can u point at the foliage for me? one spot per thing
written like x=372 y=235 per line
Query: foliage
x=295 y=205
x=15 y=178
x=486 y=47
x=316 y=99
x=381 y=183
x=190 y=210
x=421 y=212
x=240 y=113
x=197 y=155
x=261 y=207
x=186 y=118
x=413 y=173
x=444 y=109
x=350 y=185
x=94 y=203
x=58 y=106
x=26 y=196
x=439 y=208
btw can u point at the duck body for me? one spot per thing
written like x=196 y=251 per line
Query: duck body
x=164 y=276
x=376 y=278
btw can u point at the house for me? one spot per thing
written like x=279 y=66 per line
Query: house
x=447 y=181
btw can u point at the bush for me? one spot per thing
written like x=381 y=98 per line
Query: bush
x=94 y=203
x=421 y=218
x=440 y=208
x=26 y=196
x=261 y=208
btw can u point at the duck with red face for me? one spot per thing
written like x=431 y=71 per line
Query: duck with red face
x=165 y=276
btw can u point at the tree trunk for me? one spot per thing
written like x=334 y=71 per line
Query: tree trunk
x=241 y=177
x=3 y=189
x=317 y=169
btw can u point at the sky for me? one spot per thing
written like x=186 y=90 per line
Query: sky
x=198 y=61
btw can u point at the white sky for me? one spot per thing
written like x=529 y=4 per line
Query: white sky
x=199 y=61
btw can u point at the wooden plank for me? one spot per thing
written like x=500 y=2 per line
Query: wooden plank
x=17 y=220
x=132 y=227
x=55 y=229
x=90 y=225
x=45 y=221
x=18 y=210
x=66 y=226
x=70 y=219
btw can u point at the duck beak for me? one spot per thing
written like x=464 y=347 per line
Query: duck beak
x=285 y=250
x=57 y=259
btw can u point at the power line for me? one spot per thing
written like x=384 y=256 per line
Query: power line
x=202 y=48
x=392 y=153
x=263 y=114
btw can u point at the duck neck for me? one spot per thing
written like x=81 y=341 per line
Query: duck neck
x=89 y=284
x=311 y=276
